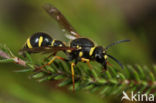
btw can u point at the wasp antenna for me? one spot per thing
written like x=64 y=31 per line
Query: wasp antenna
x=116 y=61
x=117 y=42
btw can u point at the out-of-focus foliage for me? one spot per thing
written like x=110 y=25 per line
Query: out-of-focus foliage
x=106 y=84
x=101 y=20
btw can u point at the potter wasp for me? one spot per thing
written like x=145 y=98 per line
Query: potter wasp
x=80 y=49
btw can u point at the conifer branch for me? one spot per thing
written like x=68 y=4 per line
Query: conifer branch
x=112 y=81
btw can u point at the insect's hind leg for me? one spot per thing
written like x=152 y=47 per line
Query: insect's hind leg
x=52 y=60
x=53 y=54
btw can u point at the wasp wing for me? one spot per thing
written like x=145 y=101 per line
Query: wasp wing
x=58 y=16
x=47 y=49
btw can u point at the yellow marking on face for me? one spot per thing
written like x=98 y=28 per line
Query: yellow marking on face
x=28 y=43
x=69 y=51
x=80 y=54
x=40 y=41
x=105 y=56
x=91 y=51
x=52 y=43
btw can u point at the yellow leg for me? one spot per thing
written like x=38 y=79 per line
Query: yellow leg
x=87 y=61
x=50 y=56
x=51 y=61
x=73 y=74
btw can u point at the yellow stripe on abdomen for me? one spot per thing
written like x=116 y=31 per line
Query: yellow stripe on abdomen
x=91 y=51
x=40 y=41
x=52 y=43
x=28 y=43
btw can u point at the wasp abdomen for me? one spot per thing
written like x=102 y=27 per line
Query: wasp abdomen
x=57 y=43
x=38 y=40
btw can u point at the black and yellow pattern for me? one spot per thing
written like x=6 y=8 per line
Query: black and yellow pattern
x=79 y=50
x=41 y=39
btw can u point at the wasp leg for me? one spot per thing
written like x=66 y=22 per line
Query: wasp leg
x=109 y=64
x=53 y=54
x=87 y=61
x=73 y=74
x=52 y=60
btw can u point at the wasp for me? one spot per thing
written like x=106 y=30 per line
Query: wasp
x=80 y=49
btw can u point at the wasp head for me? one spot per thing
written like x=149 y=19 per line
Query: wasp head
x=101 y=56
